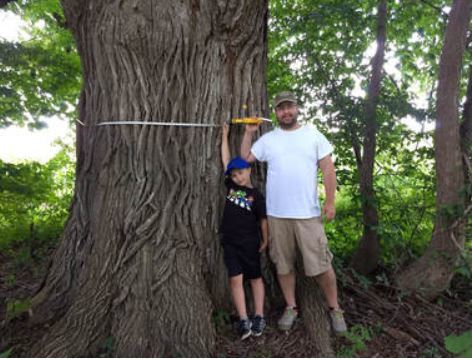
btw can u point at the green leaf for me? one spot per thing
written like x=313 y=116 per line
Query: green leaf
x=460 y=345
x=6 y=353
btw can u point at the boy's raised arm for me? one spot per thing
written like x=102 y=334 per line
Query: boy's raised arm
x=225 y=153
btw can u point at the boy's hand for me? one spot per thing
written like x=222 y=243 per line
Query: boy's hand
x=251 y=129
x=263 y=246
x=225 y=129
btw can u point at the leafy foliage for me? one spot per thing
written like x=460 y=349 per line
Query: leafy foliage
x=40 y=75
x=6 y=353
x=357 y=336
x=460 y=345
x=34 y=203
x=17 y=307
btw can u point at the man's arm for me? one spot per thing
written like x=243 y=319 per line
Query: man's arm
x=247 y=142
x=225 y=152
x=329 y=178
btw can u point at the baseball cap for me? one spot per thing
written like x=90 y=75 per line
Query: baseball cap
x=284 y=96
x=236 y=163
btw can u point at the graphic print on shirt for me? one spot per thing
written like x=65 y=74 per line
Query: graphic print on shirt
x=240 y=198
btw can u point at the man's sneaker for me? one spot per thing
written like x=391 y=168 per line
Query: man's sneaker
x=337 y=320
x=258 y=325
x=245 y=328
x=288 y=318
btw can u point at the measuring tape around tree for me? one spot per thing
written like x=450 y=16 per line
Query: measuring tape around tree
x=243 y=120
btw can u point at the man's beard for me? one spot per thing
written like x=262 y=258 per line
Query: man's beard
x=289 y=125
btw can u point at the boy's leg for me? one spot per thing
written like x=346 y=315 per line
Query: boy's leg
x=258 y=293
x=258 y=322
x=237 y=293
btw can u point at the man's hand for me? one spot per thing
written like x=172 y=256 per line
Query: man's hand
x=329 y=211
x=251 y=129
x=263 y=246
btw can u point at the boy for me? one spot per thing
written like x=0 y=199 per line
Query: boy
x=243 y=214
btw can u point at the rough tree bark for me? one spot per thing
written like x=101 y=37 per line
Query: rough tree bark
x=139 y=261
x=140 y=244
x=366 y=256
x=432 y=272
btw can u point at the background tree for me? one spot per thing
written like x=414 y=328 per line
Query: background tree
x=433 y=272
x=367 y=256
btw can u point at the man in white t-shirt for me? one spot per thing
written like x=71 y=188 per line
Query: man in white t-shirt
x=294 y=153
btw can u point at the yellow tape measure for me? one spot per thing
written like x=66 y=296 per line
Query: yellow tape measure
x=249 y=120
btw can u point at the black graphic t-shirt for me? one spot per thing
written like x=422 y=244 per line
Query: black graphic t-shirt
x=244 y=208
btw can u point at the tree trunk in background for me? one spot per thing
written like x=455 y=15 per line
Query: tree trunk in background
x=433 y=272
x=140 y=246
x=366 y=257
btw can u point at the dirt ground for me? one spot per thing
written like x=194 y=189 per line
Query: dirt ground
x=382 y=322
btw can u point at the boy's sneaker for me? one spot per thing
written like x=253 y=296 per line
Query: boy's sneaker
x=288 y=318
x=337 y=320
x=258 y=325
x=245 y=328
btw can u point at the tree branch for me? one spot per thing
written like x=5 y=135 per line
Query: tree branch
x=437 y=8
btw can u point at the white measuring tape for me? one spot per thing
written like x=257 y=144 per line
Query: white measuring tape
x=244 y=120
x=181 y=124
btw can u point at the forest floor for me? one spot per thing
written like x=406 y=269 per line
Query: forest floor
x=382 y=322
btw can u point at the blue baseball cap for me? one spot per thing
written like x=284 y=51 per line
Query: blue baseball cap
x=236 y=163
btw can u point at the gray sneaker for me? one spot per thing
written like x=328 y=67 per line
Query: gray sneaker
x=245 y=328
x=287 y=319
x=258 y=325
x=337 y=320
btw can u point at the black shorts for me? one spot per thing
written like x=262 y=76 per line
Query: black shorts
x=242 y=257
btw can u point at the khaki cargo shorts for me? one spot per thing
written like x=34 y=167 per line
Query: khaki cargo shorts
x=306 y=234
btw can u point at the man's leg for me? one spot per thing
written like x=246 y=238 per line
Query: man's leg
x=287 y=284
x=283 y=253
x=313 y=245
x=327 y=283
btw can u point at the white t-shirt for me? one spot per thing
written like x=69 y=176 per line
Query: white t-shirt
x=292 y=158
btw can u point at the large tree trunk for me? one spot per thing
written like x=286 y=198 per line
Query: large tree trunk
x=433 y=272
x=141 y=242
x=367 y=255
